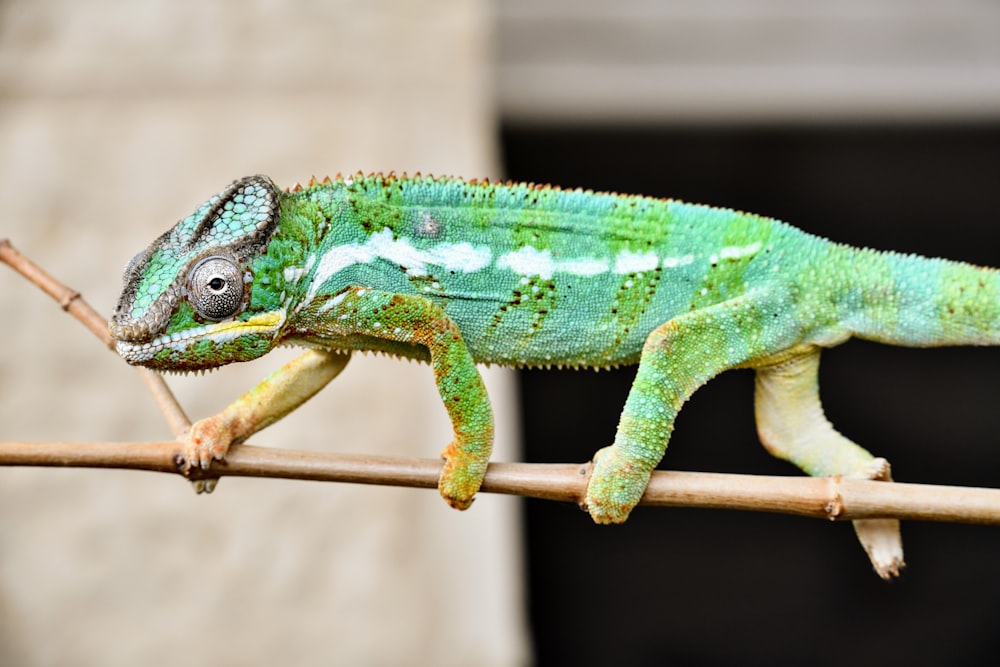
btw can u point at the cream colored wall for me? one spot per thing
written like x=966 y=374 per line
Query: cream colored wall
x=117 y=119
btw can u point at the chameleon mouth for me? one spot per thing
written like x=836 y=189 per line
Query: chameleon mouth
x=217 y=332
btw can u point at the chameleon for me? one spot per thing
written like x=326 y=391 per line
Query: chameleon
x=457 y=273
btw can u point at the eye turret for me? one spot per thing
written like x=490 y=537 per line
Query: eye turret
x=216 y=288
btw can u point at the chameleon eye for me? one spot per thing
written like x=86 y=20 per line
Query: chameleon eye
x=216 y=288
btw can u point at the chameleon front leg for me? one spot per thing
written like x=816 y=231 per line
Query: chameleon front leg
x=408 y=320
x=284 y=390
x=677 y=358
x=792 y=426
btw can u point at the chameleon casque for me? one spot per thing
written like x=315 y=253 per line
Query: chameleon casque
x=456 y=273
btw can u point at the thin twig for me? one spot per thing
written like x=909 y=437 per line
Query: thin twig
x=829 y=498
x=172 y=411
x=71 y=301
x=824 y=498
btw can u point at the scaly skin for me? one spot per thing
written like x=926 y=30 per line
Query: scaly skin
x=454 y=273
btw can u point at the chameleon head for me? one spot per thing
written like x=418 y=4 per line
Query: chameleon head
x=186 y=301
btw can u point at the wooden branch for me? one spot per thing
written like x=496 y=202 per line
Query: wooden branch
x=824 y=498
x=831 y=498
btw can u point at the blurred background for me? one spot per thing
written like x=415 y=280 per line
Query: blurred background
x=872 y=122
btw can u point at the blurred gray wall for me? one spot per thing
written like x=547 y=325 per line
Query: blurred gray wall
x=772 y=61
x=118 y=118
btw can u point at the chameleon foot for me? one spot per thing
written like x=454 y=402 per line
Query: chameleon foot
x=880 y=537
x=616 y=485
x=881 y=541
x=460 y=479
x=205 y=442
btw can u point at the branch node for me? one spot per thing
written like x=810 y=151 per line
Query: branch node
x=67 y=300
x=835 y=505
x=584 y=471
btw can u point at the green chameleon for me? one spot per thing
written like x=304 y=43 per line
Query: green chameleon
x=456 y=273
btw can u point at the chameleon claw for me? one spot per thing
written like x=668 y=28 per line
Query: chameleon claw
x=204 y=485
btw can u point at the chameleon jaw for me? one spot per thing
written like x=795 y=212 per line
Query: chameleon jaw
x=141 y=353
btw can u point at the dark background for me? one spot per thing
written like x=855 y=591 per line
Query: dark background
x=706 y=587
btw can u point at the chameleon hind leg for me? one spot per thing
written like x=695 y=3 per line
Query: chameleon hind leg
x=284 y=390
x=792 y=426
x=677 y=358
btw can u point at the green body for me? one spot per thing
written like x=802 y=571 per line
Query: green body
x=457 y=272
